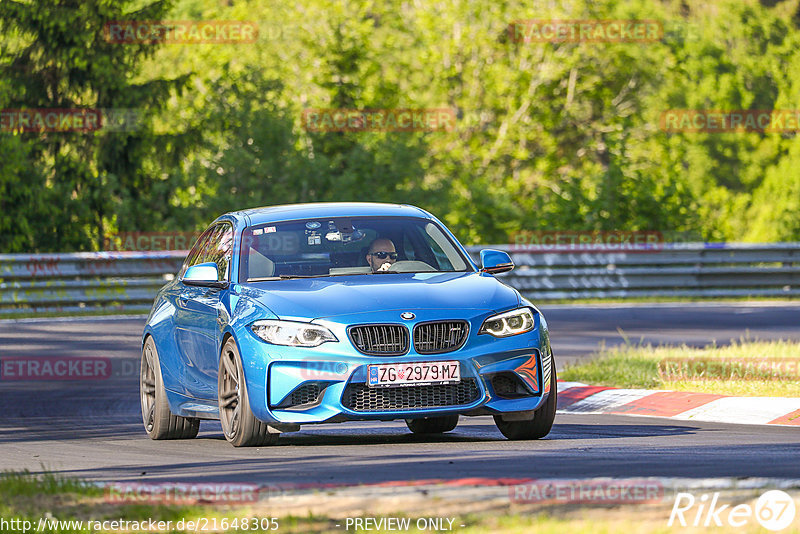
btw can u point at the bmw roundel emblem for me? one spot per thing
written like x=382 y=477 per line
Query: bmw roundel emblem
x=407 y=316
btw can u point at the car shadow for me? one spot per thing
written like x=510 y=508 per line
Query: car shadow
x=465 y=433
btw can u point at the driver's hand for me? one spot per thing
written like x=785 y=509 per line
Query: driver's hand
x=384 y=267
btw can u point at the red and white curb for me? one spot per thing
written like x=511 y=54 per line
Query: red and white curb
x=575 y=397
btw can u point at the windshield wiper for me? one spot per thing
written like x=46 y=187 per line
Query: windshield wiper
x=291 y=276
x=284 y=277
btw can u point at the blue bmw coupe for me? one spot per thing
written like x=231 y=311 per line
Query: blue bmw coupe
x=320 y=313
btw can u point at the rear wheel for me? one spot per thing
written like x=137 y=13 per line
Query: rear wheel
x=159 y=422
x=240 y=426
x=543 y=418
x=432 y=425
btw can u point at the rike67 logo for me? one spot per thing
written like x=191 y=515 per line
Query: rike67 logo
x=774 y=510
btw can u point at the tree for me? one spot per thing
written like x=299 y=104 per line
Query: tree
x=89 y=182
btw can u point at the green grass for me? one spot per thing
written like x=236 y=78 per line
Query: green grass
x=27 y=496
x=722 y=370
x=624 y=368
x=20 y=485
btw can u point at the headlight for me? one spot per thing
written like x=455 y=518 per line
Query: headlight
x=292 y=333
x=508 y=323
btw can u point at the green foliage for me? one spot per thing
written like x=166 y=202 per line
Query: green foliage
x=549 y=135
x=73 y=187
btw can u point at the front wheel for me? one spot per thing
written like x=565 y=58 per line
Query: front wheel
x=543 y=418
x=432 y=425
x=240 y=426
x=159 y=422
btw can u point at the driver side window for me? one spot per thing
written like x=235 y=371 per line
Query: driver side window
x=215 y=245
x=194 y=254
x=218 y=249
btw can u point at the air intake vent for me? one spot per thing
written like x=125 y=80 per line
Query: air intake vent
x=361 y=398
x=509 y=386
x=305 y=394
x=380 y=339
x=440 y=336
x=303 y=397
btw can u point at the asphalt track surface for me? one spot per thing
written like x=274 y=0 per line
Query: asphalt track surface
x=93 y=429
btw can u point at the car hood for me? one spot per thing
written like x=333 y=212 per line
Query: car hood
x=315 y=298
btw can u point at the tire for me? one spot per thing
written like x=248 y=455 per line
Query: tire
x=543 y=418
x=432 y=425
x=240 y=426
x=159 y=422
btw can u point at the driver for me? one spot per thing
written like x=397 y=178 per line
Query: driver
x=381 y=255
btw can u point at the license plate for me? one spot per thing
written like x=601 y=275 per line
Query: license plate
x=413 y=374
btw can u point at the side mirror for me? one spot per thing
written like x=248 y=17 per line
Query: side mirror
x=495 y=261
x=203 y=275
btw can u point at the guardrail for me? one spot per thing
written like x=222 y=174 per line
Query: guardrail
x=676 y=270
x=126 y=282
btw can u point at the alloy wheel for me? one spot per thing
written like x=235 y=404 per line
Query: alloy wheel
x=230 y=398
x=147 y=387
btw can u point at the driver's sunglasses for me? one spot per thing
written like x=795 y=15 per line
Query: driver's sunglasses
x=384 y=255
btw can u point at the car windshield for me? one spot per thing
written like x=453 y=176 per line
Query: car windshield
x=347 y=246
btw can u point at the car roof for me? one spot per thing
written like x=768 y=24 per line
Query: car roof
x=287 y=212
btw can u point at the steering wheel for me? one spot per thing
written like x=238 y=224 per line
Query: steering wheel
x=410 y=266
